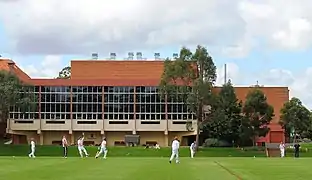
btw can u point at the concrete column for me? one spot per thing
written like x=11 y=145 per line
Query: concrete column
x=41 y=138
x=134 y=112
x=103 y=113
x=72 y=139
x=166 y=139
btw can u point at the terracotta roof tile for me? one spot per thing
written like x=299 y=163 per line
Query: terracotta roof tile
x=9 y=65
x=4 y=64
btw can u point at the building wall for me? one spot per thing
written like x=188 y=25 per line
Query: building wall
x=108 y=75
x=276 y=97
x=116 y=69
x=50 y=136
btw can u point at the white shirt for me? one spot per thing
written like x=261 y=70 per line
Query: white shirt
x=80 y=142
x=103 y=144
x=64 y=142
x=192 y=147
x=282 y=146
x=175 y=145
x=32 y=144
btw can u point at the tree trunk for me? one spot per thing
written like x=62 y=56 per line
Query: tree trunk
x=198 y=124
x=254 y=141
x=197 y=135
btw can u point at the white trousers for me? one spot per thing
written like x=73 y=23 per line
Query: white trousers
x=82 y=150
x=102 y=150
x=175 y=154
x=192 y=153
x=32 y=152
x=282 y=152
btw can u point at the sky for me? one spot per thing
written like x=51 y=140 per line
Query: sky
x=264 y=41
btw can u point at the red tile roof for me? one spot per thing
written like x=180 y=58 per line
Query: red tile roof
x=9 y=65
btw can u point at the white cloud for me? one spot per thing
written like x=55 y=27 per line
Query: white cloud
x=232 y=27
x=81 y=26
x=232 y=73
x=299 y=83
x=48 y=68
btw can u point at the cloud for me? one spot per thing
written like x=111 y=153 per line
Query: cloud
x=230 y=27
x=232 y=73
x=80 y=26
x=48 y=68
x=299 y=83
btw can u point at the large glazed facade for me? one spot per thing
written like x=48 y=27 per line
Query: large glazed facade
x=113 y=99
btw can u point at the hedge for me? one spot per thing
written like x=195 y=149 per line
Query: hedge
x=23 y=150
x=54 y=151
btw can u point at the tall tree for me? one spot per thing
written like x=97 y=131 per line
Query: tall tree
x=65 y=73
x=258 y=112
x=192 y=75
x=295 y=117
x=14 y=93
x=225 y=121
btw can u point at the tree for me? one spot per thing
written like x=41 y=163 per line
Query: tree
x=258 y=112
x=14 y=93
x=225 y=121
x=65 y=73
x=295 y=117
x=191 y=76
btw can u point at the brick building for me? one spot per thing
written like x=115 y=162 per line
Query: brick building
x=113 y=99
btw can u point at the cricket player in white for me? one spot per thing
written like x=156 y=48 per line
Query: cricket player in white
x=81 y=148
x=32 y=148
x=175 y=150
x=282 y=149
x=192 y=149
x=65 y=145
x=102 y=149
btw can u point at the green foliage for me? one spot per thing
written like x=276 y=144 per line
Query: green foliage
x=57 y=151
x=258 y=114
x=65 y=73
x=190 y=77
x=14 y=93
x=225 y=120
x=295 y=116
x=211 y=142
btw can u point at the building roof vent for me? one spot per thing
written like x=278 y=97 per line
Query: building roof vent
x=130 y=55
x=175 y=55
x=112 y=56
x=95 y=56
x=157 y=56
x=139 y=55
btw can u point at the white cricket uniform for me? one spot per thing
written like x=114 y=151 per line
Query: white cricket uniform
x=103 y=149
x=81 y=148
x=192 y=149
x=64 y=142
x=32 y=149
x=282 y=149
x=175 y=150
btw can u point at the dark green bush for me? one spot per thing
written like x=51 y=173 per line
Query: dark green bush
x=211 y=142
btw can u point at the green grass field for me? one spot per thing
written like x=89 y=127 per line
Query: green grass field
x=150 y=168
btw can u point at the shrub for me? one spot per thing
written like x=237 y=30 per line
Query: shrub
x=212 y=142
x=254 y=148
